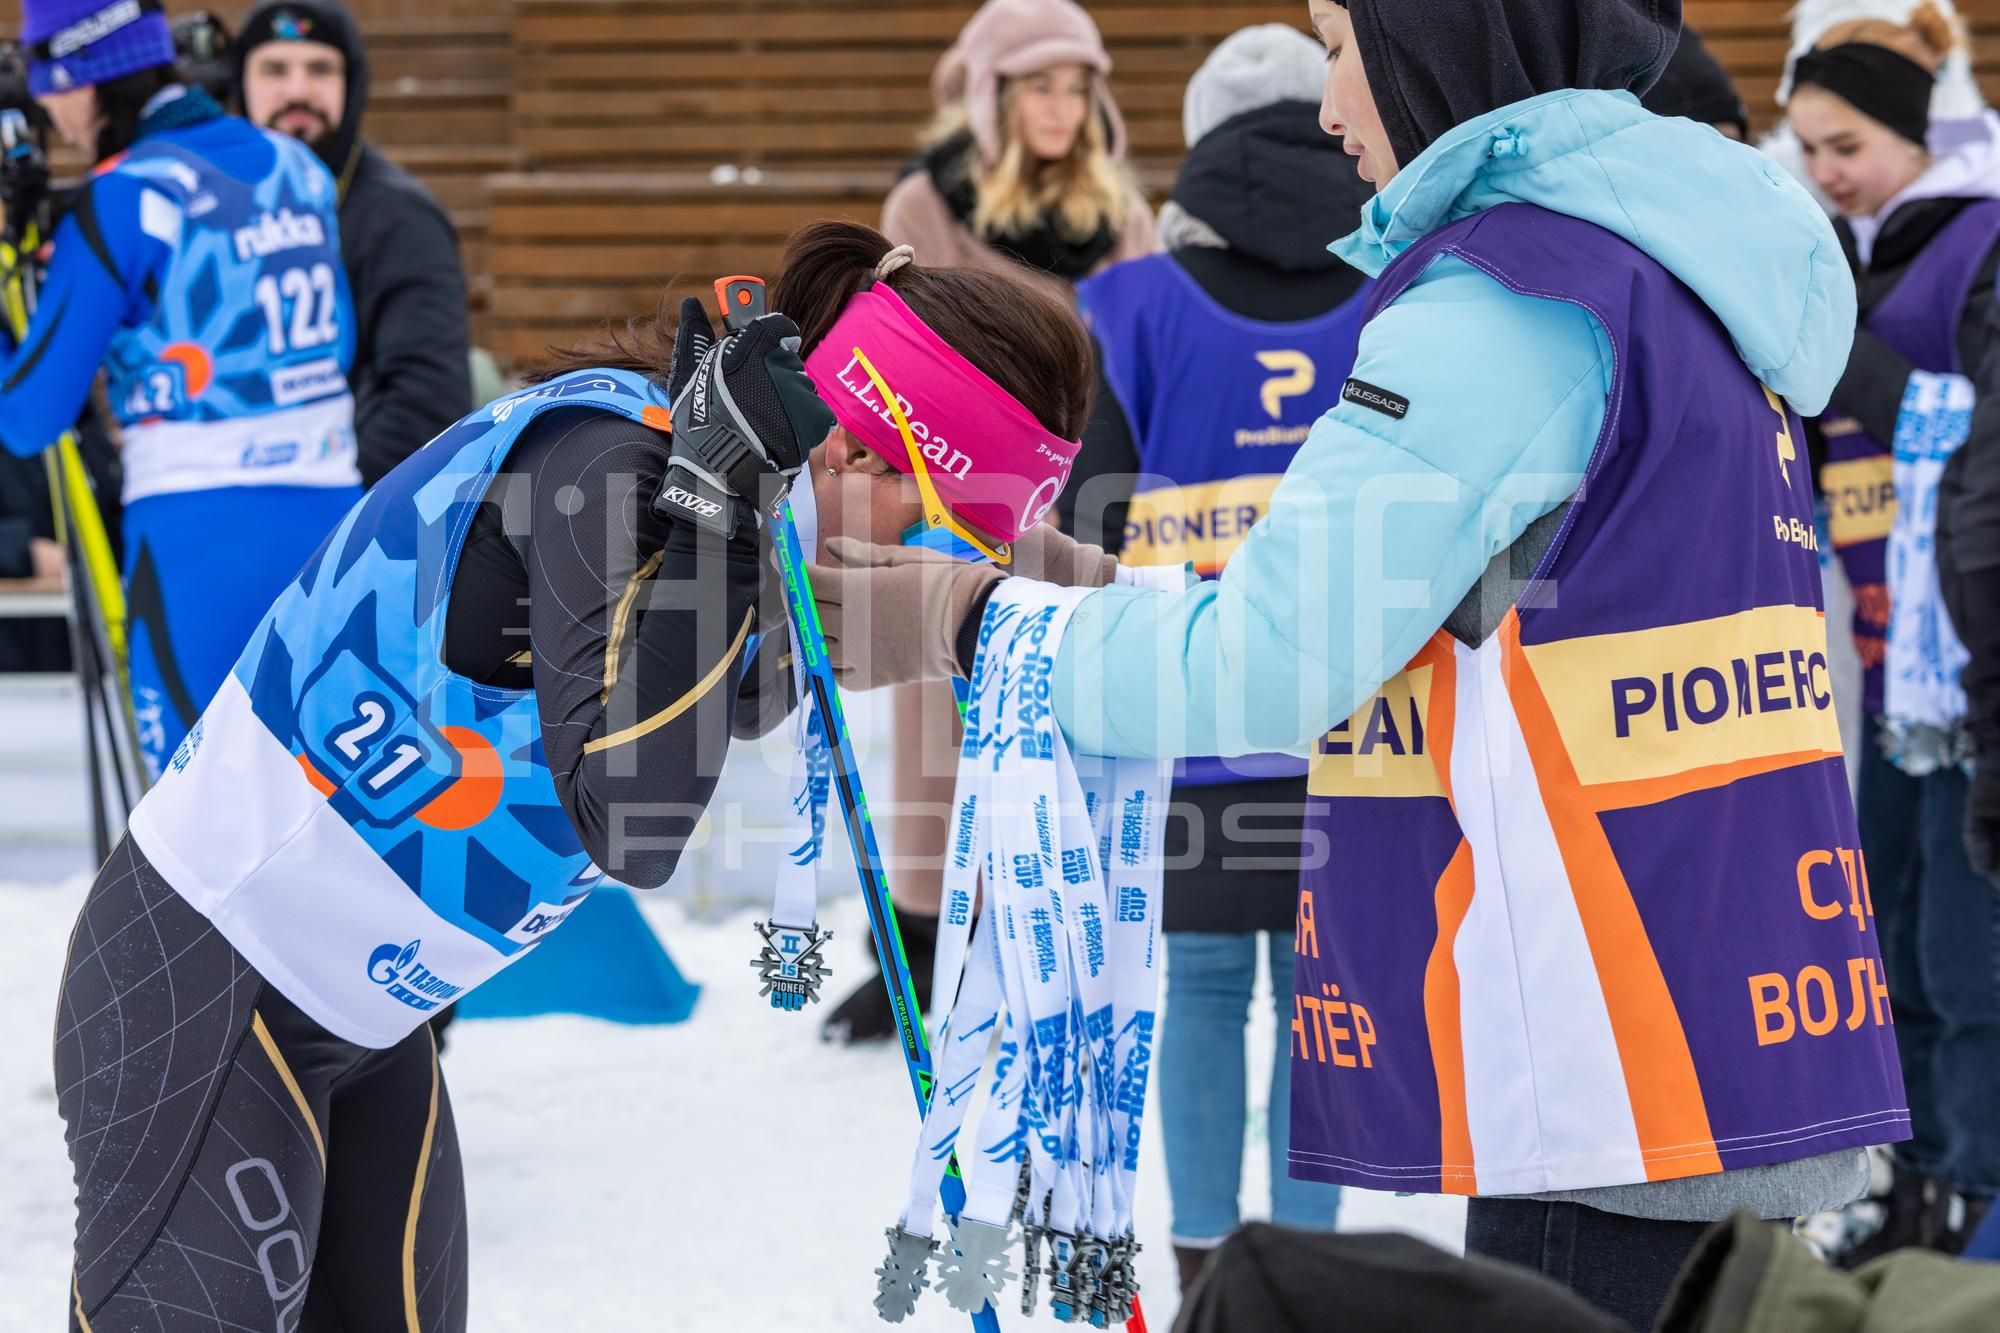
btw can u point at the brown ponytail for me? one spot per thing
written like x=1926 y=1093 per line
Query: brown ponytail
x=643 y=345
x=1026 y=340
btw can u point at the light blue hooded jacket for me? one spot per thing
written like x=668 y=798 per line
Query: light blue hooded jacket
x=1371 y=542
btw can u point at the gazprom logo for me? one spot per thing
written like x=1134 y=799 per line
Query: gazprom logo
x=395 y=968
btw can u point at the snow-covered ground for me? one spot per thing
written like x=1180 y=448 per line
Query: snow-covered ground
x=727 y=1172
x=701 y=1177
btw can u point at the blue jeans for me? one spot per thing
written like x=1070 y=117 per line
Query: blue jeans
x=1940 y=942
x=1210 y=979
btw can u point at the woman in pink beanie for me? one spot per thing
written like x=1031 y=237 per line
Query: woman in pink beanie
x=1029 y=167
x=1024 y=168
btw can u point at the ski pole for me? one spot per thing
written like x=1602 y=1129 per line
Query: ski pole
x=742 y=300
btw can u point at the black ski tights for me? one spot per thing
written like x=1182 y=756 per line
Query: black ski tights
x=237 y=1166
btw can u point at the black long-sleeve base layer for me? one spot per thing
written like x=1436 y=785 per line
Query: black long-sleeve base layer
x=630 y=631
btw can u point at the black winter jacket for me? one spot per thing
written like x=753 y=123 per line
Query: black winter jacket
x=412 y=375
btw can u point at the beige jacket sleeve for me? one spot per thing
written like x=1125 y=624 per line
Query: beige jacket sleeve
x=916 y=215
x=1139 y=237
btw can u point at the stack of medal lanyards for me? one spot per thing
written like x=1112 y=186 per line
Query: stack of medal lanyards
x=1061 y=966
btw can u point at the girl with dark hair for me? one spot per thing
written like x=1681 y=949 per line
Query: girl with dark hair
x=1909 y=474
x=510 y=670
x=1216 y=357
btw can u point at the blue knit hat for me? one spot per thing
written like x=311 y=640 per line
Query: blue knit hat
x=72 y=43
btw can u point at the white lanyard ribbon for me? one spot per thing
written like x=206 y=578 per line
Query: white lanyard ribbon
x=1060 y=965
x=791 y=963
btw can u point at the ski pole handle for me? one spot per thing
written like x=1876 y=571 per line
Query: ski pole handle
x=742 y=300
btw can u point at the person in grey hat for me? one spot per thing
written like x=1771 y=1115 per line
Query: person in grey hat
x=1215 y=358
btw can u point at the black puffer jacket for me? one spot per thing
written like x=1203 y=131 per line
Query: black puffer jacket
x=1276 y=1280
x=1969 y=513
x=411 y=376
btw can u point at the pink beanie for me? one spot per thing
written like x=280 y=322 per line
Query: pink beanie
x=1011 y=38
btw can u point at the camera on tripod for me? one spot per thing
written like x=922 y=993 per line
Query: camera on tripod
x=201 y=53
x=24 y=162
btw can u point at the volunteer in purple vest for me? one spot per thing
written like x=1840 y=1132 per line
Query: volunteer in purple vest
x=1216 y=357
x=1920 y=219
x=1588 y=937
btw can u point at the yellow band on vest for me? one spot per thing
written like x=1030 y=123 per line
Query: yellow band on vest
x=1860 y=499
x=1709 y=694
x=1202 y=524
x=1384 y=749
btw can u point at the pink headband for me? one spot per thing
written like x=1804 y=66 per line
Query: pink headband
x=994 y=465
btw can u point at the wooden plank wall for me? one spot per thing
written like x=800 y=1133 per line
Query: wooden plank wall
x=593 y=151
x=834 y=83
x=442 y=73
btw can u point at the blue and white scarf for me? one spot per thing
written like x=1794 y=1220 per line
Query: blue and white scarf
x=1923 y=705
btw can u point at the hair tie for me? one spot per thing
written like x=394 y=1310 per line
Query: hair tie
x=898 y=257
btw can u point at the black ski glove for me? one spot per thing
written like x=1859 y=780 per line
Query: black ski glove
x=745 y=417
x=1982 y=819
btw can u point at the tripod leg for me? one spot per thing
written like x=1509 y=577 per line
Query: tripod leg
x=88 y=678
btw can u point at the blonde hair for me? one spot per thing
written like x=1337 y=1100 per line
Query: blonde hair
x=1927 y=38
x=1083 y=192
x=948 y=121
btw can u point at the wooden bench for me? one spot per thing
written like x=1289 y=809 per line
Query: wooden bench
x=572 y=140
x=844 y=83
x=439 y=103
